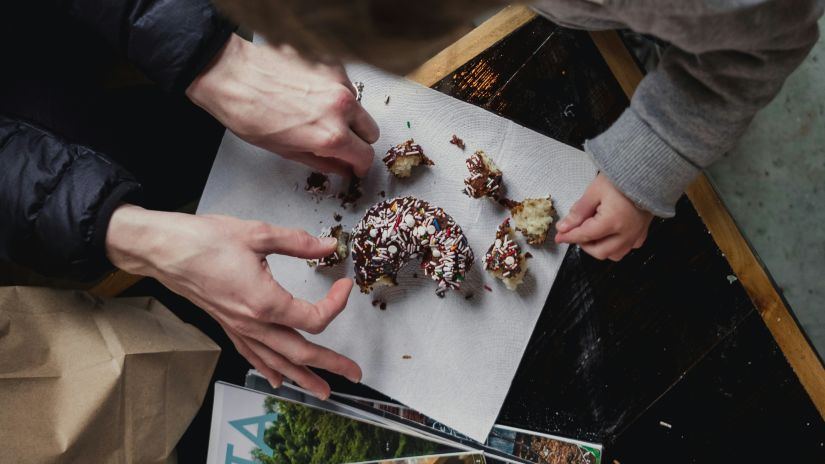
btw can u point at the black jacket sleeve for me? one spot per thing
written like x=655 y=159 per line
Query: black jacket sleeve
x=171 y=41
x=56 y=200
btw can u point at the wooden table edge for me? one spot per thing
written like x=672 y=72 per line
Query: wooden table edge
x=748 y=269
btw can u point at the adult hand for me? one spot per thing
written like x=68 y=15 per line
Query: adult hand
x=219 y=264
x=275 y=99
x=604 y=222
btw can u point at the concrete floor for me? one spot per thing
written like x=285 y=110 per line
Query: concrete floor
x=773 y=183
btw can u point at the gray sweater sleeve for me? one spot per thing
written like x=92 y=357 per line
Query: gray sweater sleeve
x=723 y=65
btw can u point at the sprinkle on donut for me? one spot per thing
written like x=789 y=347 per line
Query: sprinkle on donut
x=402 y=158
x=485 y=177
x=504 y=259
x=341 y=250
x=395 y=231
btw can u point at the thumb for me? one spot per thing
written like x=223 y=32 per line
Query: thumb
x=325 y=165
x=582 y=210
x=268 y=239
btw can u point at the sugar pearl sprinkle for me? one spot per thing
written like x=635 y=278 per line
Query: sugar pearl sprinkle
x=409 y=228
x=503 y=255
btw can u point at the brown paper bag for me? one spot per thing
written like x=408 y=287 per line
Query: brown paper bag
x=84 y=380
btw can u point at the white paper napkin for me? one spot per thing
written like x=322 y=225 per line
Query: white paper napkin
x=454 y=358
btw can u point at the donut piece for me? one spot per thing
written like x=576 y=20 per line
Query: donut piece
x=395 y=231
x=533 y=217
x=504 y=259
x=485 y=177
x=352 y=194
x=401 y=158
x=341 y=251
x=317 y=183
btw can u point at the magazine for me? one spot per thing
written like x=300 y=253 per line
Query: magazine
x=251 y=427
x=505 y=444
x=457 y=458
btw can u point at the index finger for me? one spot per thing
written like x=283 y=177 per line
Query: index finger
x=590 y=230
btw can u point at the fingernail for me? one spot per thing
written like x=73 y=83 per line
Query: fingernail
x=563 y=223
x=329 y=241
x=354 y=379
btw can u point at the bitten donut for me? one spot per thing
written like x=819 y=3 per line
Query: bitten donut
x=395 y=231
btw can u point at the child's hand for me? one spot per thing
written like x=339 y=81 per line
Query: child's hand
x=604 y=222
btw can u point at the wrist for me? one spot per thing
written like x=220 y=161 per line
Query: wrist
x=134 y=238
x=213 y=87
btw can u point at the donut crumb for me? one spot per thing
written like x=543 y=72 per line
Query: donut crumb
x=317 y=183
x=457 y=142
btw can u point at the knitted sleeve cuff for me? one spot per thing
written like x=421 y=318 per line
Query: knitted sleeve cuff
x=642 y=165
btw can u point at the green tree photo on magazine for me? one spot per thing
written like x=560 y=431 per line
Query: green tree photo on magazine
x=302 y=435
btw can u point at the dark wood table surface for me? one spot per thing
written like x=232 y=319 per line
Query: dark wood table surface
x=669 y=334
x=678 y=333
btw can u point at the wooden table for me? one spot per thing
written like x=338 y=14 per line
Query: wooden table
x=682 y=352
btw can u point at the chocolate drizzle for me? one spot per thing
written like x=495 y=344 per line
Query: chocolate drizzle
x=394 y=231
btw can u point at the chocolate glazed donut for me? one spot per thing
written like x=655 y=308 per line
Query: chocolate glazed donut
x=395 y=231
